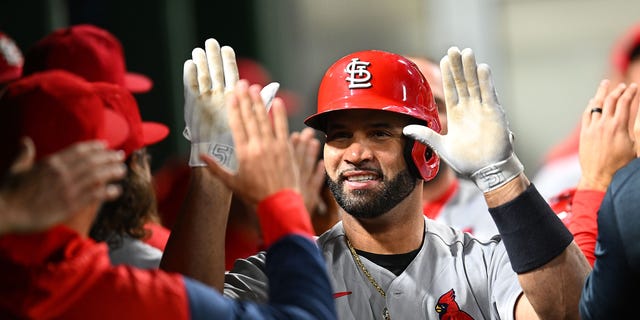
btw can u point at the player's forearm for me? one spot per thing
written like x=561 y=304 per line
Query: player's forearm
x=550 y=266
x=554 y=289
x=196 y=245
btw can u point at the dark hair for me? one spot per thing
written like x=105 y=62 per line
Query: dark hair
x=128 y=214
x=634 y=53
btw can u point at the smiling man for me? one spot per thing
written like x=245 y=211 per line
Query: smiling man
x=386 y=260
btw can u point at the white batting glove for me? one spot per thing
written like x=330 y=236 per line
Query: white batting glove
x=208 y=77
x=479 y=144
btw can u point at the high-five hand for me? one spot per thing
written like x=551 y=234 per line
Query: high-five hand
x=265 y=157
x=478 y=143
x=208 y=77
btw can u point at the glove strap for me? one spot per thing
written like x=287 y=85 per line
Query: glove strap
x=498 y=174
x=196 y=150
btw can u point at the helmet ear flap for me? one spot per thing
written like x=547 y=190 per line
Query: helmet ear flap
x=421 y=161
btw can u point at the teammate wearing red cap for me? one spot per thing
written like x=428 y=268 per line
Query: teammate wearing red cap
x=386 y=260
x=60 y=273
x=130 y=224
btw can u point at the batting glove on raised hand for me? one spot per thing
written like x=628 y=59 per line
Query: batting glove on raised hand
x=208 y=77
x=479 y=144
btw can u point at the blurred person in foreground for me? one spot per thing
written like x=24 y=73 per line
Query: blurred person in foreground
x=130 y=225
x=61 y=273
x=612 y=287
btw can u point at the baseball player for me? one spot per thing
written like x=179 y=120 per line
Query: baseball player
x=385 y=259
x=60 y=273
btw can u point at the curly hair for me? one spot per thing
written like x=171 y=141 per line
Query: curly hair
x=136 y=206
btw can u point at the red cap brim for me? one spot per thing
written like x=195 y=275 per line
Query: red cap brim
x=137 y=83
x=153 y=132
x=116 y=129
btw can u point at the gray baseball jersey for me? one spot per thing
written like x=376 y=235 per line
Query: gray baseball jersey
x=462 y=276
x=467 y=210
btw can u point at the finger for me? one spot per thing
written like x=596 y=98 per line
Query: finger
x=214 y=64
x=83 y=160
x=448 y=85
x=586 y=114
x=268 y=93
x=487 y=89
x=312 y=148
x=311 y=158
x=264 y=123
x=190 y=76
x=235 y=120
x=455 y=60
x=471 y=74
x=596 y=102
x=199 y=57
x=424 y=135
x=623 y=107
x=100 y=175
x=279 y=115
x=304 y=151
x=230 y=68
x=95 y=194
x=610 y=102
x=26 y=157
x=248 y=116
x=318 y=177
x=219 y=171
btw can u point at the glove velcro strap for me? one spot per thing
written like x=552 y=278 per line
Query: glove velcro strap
x=196 y=150
x=496 y=175
x=531 y=232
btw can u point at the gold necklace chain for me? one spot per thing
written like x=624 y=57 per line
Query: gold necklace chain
x=356 y=258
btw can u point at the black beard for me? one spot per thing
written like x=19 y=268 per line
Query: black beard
x=367 y=204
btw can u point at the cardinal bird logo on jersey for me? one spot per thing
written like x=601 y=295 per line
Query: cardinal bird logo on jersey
x=448 y=309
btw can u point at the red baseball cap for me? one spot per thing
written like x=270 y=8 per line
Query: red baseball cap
x=625 y=44
x=55 y=109
x=141 y=134
x=88 y=51
x=11 y=59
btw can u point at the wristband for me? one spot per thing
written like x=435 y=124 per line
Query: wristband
x=532 y=233
x=498 y=174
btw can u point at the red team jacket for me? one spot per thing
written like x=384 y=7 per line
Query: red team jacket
x=59 y=274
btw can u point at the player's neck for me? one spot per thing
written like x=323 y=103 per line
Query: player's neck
x=398 y=231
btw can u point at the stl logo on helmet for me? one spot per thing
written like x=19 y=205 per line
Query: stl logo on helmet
x=359 y=76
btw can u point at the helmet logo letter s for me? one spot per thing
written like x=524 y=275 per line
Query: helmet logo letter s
x=359 y=76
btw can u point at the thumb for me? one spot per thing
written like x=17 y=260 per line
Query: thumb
x=424 y=135
x=218 y=170
x=268 y=93
x=26 y=158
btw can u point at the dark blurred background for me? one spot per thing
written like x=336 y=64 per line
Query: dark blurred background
x=157 y=36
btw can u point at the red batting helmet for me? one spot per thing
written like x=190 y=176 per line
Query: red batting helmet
x=378 y=80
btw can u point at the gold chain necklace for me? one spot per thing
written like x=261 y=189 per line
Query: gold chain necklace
x=356 y=258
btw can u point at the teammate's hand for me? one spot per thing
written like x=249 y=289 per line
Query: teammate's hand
x=605 y=142
x=208 y=77
x=478 y=143
x=306 y=149
x=265 y=158
x=35 y=196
